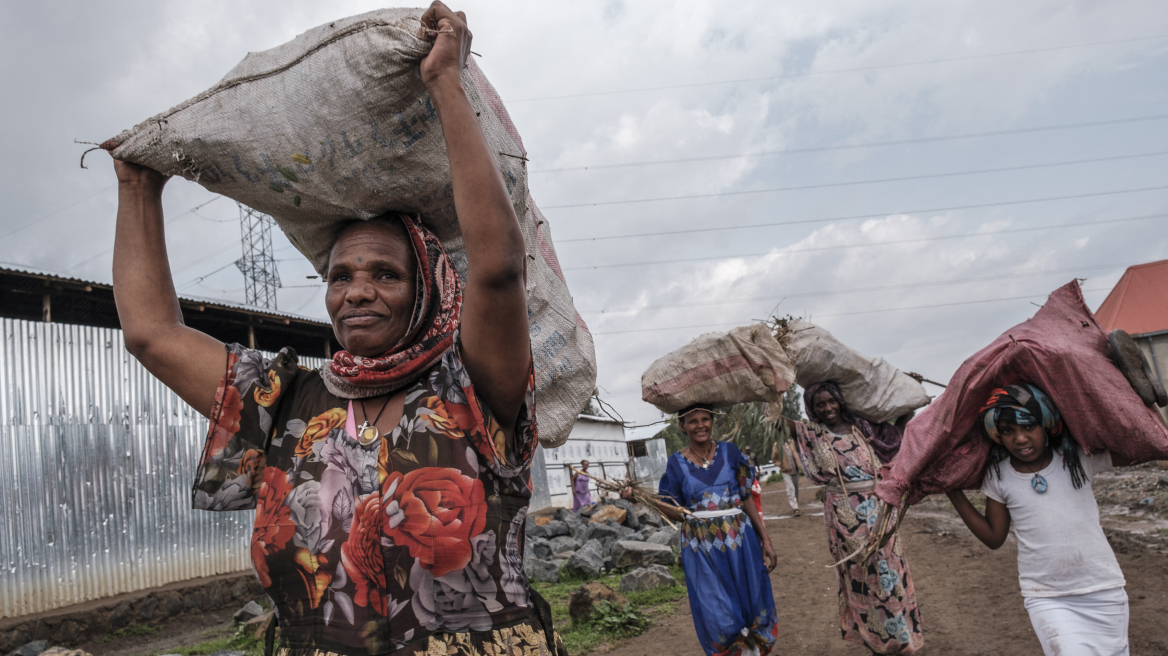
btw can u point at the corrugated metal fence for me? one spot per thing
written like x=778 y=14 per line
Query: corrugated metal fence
x=96 y=463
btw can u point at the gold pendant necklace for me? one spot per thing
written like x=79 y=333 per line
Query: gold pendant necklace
x=367 y=433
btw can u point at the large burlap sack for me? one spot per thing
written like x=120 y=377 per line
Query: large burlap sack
x=335 y=125
x=721 y=369
x=872 y=388
x=1065 y=353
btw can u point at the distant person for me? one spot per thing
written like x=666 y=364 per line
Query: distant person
x=755 y=485
x=878 y=603
x=581 y=495
x=725 y=552
x=784 y=458
x=376 y=480
x=1040 y=479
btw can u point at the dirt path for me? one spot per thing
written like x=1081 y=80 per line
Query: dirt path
x=968 y=594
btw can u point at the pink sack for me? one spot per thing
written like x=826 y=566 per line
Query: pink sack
x=1064 y=352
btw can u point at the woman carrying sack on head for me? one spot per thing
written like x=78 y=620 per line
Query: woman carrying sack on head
x=391 y=486
x=724 y=551
x=877 y=600
x=1040 y=480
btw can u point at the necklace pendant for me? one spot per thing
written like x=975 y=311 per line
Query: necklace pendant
x=1038 y=483
x=367 y=434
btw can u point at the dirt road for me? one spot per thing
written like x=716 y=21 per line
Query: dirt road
x=968 y=594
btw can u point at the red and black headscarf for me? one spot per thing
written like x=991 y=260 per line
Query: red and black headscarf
x=435 y=319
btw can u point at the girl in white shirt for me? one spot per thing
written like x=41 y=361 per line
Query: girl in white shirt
x=1070 y=580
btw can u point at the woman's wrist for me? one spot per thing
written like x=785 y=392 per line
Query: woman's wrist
x=443 y=86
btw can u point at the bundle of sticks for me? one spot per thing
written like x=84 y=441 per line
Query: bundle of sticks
x=640 y=494
x=885 y=531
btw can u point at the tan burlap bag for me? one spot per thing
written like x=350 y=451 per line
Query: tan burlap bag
x=872 y=388
x=721 y=369
x=336 y=125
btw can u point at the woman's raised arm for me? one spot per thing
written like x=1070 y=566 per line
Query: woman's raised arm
x=494 y=333
x=187 y=361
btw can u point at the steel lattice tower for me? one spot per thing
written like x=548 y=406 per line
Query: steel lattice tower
x=260 y=277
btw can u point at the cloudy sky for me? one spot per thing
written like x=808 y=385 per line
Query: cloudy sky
x=912 y=175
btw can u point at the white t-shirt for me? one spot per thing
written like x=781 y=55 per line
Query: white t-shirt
x=1061 y=547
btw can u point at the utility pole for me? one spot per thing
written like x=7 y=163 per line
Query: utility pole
x=260 y=278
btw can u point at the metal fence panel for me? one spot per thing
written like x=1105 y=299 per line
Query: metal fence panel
x=97 y=459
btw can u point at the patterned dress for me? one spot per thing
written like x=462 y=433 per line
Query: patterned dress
x=729 y=587
x=412 y=544
x=877 y=601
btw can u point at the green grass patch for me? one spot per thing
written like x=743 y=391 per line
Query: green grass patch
x=775 y=477
x=238 y=642
x=583 y=637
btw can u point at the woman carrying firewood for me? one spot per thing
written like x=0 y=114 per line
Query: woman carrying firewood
x=725 y=553
x=878 y=605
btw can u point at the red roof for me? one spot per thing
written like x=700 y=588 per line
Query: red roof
x=1139 y=301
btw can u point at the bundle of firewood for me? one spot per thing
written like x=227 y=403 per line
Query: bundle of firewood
x=640 y=494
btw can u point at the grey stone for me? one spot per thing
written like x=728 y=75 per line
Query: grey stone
x=586 y=562
x=627 y=554
x=121 y=615
x=538 y=548
x=601 y=532
x=67 y=632
x=555 y=529
x=147 y=607
x=626 y=533
x=631 y=519
x=562 y=544
x=535 y=530
x=645 y=516
x=647 y=578
x=257 y=627
x=240 y=589
x=250 y=610
x=33 y=648
x=576 y=524
x=541 y=570
x=645 y=533
x=583 y=600
x=226 y=652
x=665 y=536
x=171 y=603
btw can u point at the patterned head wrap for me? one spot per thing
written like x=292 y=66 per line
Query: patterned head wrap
x=884 y=438
x=1024 y=404
x=435 y=319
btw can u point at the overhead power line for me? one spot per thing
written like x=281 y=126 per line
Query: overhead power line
x=842 y=314
x=966 y=235
x=857 y=69
x=57 y=211
x=168 y=222
x=874 y=215
x=825 y=185
x=872 y=144
x=858 y=290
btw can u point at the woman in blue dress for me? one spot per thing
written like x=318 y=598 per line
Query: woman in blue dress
x=723 y=546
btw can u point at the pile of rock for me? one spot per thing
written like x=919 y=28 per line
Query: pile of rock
x=612 y=534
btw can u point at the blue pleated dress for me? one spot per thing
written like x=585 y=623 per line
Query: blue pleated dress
x=729 y=587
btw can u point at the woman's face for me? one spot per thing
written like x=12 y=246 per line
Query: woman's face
x=826 y=407
x=372 y=280
x=698 y=426
x=584 y=466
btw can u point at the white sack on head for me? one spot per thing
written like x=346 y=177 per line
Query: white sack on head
x=720 y=369
x=873 y=389
x=336 y=125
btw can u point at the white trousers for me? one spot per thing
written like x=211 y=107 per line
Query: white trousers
x=1093 y=624
x=792 y=481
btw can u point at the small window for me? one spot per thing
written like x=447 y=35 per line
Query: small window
x=638 y=450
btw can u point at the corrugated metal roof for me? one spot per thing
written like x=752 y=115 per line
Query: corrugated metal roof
x=6 y=267
x=1139 y=301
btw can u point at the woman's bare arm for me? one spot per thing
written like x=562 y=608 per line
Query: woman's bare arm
x=187 y=361
x=991 y=528
x=497 y=348
x=769 y=557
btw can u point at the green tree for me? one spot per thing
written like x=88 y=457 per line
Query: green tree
x=746 y=425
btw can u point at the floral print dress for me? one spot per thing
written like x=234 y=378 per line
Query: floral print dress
x=877 y=601
x=412 y=544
